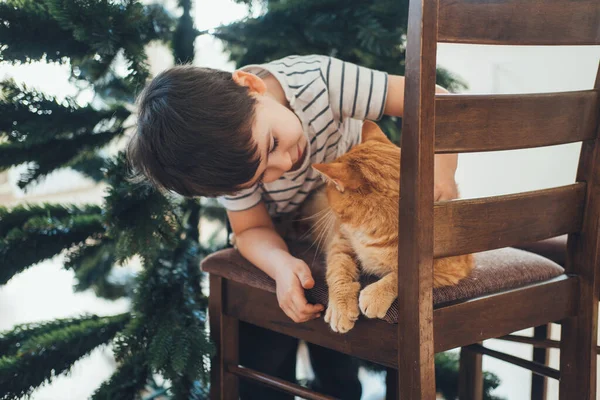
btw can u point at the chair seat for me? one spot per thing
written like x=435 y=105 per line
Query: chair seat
x=554 y=248
x=495 y=271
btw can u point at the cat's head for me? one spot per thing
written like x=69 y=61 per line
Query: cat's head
x=369 y=172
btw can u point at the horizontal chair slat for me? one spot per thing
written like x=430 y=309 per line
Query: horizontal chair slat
x=473 y=225
x=276 y=383
x=469 y=123
x=518 y=22
x=535 y=367
x=454 y=324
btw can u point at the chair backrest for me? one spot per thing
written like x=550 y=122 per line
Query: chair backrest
x=470 y=123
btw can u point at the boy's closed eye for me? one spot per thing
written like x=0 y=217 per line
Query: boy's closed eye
x=274 y=146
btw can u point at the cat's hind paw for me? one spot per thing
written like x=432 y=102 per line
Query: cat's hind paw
x=374 y=302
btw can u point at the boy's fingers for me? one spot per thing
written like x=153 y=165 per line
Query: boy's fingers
x=291 y=314
x=304 y=309
x=306 y=278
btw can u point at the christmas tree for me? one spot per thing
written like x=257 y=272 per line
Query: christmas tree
x=165 y=332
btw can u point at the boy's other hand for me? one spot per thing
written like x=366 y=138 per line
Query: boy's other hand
x=291 y=280
x=445 y=188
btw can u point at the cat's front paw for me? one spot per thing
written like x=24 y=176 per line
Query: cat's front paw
x=374 y=301
x=342 y=311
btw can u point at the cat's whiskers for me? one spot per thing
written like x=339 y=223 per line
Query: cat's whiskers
x=324 y=234
x=316 y=215
x=315 y=226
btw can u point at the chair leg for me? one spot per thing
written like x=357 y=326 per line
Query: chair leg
x=540 y=355
x=578 y=358
x=470 y=376
x=391 y=384
x=224 y=332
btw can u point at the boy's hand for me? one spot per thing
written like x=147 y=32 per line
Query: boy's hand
x=291 y=280
x=444 y=183
x=444 y=187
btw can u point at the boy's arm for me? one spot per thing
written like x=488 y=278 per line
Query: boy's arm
x=445 y=164
x=257 y=240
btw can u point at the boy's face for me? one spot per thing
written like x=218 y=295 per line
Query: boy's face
x=277 y=131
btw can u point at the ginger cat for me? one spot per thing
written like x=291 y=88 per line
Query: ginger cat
x=362 y=193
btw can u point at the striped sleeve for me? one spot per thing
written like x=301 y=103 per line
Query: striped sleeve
x=354 y=91
x=242 y=200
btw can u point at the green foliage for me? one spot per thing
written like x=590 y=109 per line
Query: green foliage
x=446 y=377
x=89 y=34
x=127 y=381
x=36 y=233
x=38 y=352
x=169 y=319
x=37 y=129
x=141 y=220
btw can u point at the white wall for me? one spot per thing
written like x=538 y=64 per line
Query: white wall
x=531 y=69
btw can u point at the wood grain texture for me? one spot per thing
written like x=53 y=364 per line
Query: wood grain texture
x=536 y=368
x=468 y=226
x=470 y=375
x=416 y=371
x=578 y=360
x=224 y=333
x=468 y=123
x=277 y=383
x=541 y=356
x=537 y=342
x=455 y=325
x=499 y=314
x=517 y=22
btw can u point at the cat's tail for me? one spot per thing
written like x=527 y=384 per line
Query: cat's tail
x=450 y=270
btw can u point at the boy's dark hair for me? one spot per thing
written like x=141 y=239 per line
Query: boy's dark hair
x=194 y=133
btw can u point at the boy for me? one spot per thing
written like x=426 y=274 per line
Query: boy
x=249 y=138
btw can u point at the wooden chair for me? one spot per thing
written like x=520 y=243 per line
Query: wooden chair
x=554 y=249
x=510 y=289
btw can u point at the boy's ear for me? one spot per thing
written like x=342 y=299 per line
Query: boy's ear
x=251 y=81
x=371 y=131
x=341 y=175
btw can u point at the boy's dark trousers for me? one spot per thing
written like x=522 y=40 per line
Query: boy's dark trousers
x=336 y=374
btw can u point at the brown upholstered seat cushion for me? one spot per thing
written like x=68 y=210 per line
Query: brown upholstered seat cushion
x=496 y=270
x=554 y=248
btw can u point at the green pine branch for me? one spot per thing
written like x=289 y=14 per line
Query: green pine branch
x=172 y=317
x=29 y=117
x=52 y=352
x=140 y=219
x=90 y=164
x=37 y=129
x=90 y=34
x=41 y=238
x=24 y=28
x=52 y=155
x=127 y=381
x=11 y=218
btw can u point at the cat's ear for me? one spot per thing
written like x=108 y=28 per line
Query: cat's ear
x=340 y=174
x=371 y=131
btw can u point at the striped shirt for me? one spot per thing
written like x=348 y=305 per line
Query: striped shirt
x=331 y=98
